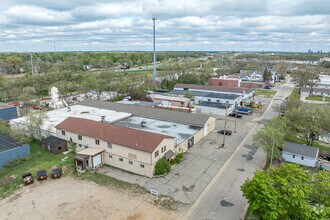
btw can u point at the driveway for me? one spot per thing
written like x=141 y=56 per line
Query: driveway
x=222 y=198
x=201 y=163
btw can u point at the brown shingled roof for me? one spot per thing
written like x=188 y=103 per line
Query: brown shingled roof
x=214 y=88
x=128 y=137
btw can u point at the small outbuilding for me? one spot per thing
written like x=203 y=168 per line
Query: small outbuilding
x=55 y=145
x=300 y=154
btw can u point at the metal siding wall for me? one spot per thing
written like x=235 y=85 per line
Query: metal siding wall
x=13 y=154
x=8 y=113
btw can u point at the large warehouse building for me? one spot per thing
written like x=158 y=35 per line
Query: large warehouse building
x=125 y=148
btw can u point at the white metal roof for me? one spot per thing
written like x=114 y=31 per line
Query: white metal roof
x=79 y=111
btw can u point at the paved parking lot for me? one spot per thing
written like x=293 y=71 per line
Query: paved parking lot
x=201 y=163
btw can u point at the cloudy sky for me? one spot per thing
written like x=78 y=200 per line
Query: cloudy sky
x=278 y=25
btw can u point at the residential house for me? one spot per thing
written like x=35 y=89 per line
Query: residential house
x=300 y=154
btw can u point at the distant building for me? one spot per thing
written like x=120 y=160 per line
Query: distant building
x=7 y=112
x=11 y=150
x=300 y=154
x=170 y=100
x=315 y=91
x=245 y=93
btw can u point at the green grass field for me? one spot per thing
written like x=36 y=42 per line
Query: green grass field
x=318 y=98
x=265 y=92
x=301 y=141
x=38 y=159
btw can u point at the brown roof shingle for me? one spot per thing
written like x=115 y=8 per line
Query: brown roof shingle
x=128 y=137
x=214 y=88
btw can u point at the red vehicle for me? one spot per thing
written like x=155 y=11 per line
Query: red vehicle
x=27 y=179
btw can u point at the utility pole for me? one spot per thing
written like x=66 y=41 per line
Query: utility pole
x=235 y=115
x=154 y=47
x=271 y=157
x=254 y=90
x=32 y=71
x=224 y=132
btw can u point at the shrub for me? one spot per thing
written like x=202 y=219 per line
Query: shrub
x=177 y=158
x=162 y=166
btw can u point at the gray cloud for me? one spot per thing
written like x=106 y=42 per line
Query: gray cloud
x=33 y=25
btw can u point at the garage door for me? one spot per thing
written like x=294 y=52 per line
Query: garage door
x=97 y=160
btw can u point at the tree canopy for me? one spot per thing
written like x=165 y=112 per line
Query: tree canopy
x=309 y=121
x=288 y=192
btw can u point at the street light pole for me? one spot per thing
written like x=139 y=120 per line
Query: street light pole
x=224 y=132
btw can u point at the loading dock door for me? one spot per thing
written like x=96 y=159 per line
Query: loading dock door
x=165 y=103
x=97 y=160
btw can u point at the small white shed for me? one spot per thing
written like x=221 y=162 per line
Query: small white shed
x=300 y=154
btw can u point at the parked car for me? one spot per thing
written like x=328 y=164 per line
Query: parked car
x=56 y=173
x=227 y=132
x=27 y=179
x=235 y=114
x=41 y=175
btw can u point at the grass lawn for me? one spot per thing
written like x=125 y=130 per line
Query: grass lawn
x=38 y=159
x=265 y=92
x=318 y=98
x=301 y=141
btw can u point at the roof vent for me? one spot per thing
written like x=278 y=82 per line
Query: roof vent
x=103 y=118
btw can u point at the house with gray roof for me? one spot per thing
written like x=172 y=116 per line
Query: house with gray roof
x=300 y=154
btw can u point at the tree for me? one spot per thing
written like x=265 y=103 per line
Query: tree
x=284 y=193
x=34 y=122
x=28 y=93
x=272 y=134
x=309 y=121
x=267 y=76
x=281 y=68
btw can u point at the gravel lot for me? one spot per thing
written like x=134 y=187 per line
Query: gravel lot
x=69 y=198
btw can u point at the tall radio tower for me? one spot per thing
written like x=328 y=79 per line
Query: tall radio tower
x=154 y=47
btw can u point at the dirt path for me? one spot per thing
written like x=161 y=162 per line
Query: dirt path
x=68 y=198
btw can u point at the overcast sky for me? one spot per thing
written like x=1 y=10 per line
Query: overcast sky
x=277 y=25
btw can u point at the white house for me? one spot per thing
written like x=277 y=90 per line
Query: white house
x=300 y=154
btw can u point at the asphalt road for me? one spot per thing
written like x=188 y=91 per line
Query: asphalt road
x=222 y=198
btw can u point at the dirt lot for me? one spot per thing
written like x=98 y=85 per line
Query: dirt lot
x=69 y=198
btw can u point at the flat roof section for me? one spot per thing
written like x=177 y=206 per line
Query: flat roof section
x=205 y=94
x=7 y=143
x=79 y=111
x=151 y=113
x=4 y=105
x=179 y=131
x=213 y=88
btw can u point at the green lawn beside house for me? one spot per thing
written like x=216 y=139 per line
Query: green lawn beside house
x=265 y=92
x=301 y=141
x=318 y=98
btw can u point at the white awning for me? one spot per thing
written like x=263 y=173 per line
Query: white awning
x=90 y=151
